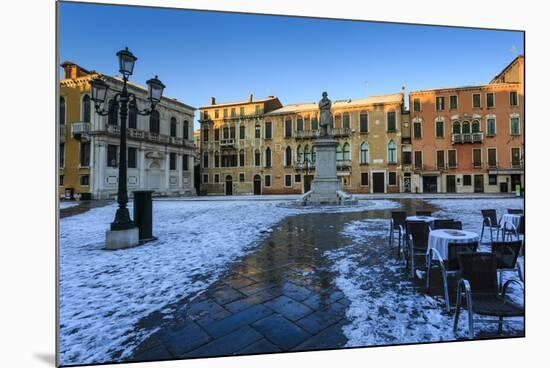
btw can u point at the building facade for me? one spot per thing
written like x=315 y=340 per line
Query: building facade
x=470 y=139
x=261 y=147
x=160 y=146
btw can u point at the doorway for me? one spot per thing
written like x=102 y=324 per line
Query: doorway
x=478 y=183
x=451 y=184
x=429 y=184
x=378 y=182
x=228 y=185
x=407 y=183
x=515 y=179
x=307 y=183
x=257 y=184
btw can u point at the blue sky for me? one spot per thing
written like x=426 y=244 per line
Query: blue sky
x=201 y=54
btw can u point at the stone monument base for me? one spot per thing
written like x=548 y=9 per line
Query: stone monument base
x=120 y=239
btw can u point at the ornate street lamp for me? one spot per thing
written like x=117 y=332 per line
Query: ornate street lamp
x=126 y=61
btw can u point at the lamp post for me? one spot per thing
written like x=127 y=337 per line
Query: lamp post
x=127 y=101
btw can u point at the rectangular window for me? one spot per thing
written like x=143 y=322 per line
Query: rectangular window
x=205 y=178
x=242 y=130
x=112 y=155
x=85 y=148
x=391 y=121
x=364 y=179
x=268 y=132
x=453 y=101
x=451 y=157
x=205 y=135
x=226 y=133
x=241 y=112
x=258 y=110
x=61 y=180
x=85 y=180
x=132 y=157
x=477 y=157
x=314 y=124
x=516 y=158
x=490 y=100
x=416 y=105
x=216 y=159
x=440 y=156
x=440 y=103
x=257 y=158
x=241 y=178
x=216 y=114
x=492 y=179
x=513 y=98
x=233 y=112
x=491 y=127
x=439 y=129
x=476 y=100
x=288 y=128
x=232 y=132
x=300 y=124
x=297 y=178
x=346 y=121
x=205 y=160
x=267 y=180
x=185 y=163
x=224 y=113
x=61 y=154
x=363 y=123
x=467 y=180
x=217 y=134
x=514 y=126
x=216 y=178
x=492 y=157
x=418 y=159
x=173 y=161
x=392 y=178
x=258 y=132
x=288 y=180
x=406 y=157
x=417 y=129
x=241 y=158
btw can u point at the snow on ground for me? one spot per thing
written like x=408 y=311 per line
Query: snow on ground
x=385 y=307
x=63 y=204
x=103 y=294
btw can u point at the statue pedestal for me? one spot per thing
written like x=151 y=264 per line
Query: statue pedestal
x=326 y=185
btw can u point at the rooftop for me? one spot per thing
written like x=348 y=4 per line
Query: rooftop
x=245 y=102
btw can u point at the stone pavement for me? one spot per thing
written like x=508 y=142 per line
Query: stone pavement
x=278 y=298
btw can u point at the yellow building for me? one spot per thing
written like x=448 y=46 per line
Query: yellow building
x=160 y=146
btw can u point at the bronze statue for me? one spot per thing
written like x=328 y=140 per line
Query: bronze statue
x=325 y=120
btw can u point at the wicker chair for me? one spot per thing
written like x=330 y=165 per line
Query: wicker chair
x=417 y=243
x=423 y=213
x=509 y=230
x=515 y=211
x=397 y=223
x=447 y=224
x=479 y=284
x=449 y=266
x=489 y=220
x=507 y=254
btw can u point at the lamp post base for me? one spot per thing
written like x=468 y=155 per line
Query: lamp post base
x=120 y=239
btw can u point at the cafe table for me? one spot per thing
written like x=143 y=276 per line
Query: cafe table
x=439 y=239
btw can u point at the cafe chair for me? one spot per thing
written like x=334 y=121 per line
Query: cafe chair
x=397 y=223
x=515 y=211
x=449 y=266
x=507 y=254
x=447 y=224
x=490 y=221
x=417 y=243
x=479 y=286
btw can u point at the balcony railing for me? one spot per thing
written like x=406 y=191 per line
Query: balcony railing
x=78 y=129
x=340 y=132
x=305 y=134
x=146 y=136
x=467 y=138
x=343 y=163
x=227 y=142
x=516 y=165
x=301 y=165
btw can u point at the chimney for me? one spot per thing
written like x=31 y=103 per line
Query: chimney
x=250 y=97
x=212 y=100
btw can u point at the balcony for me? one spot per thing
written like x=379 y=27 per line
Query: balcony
x=343 y=164
x=227 y=142
x=78 y=130
x=62 y=133
x=467 y=138
x=340 y=132
x=516 y=165
x=144 y=135
x=301 y=165
x=305 y=134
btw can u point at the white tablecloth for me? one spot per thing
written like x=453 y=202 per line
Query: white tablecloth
x=510 y=219
x=422 y=218
x=439 y=239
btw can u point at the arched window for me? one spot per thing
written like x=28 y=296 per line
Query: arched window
x=112 y=118
x=257 y=157
x=268 y=157
x=62 y=110
x=475 y=126
x=456 y=127
x=185 y=129
x=154 y=122
x=288 y=156
x=216 y=159
x=86 y=109
x=346 y=152
x=364 y=153
x=257 y=132
x=465 y=127
x=241 y=157
x=339 y=153
x=173 y=127
x=307 y=156
x=346 y=120
x=299 y=154
x=205 y=160
x=132 y=117
x=392 y=152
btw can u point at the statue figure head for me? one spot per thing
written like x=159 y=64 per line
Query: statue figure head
x=325 y=94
